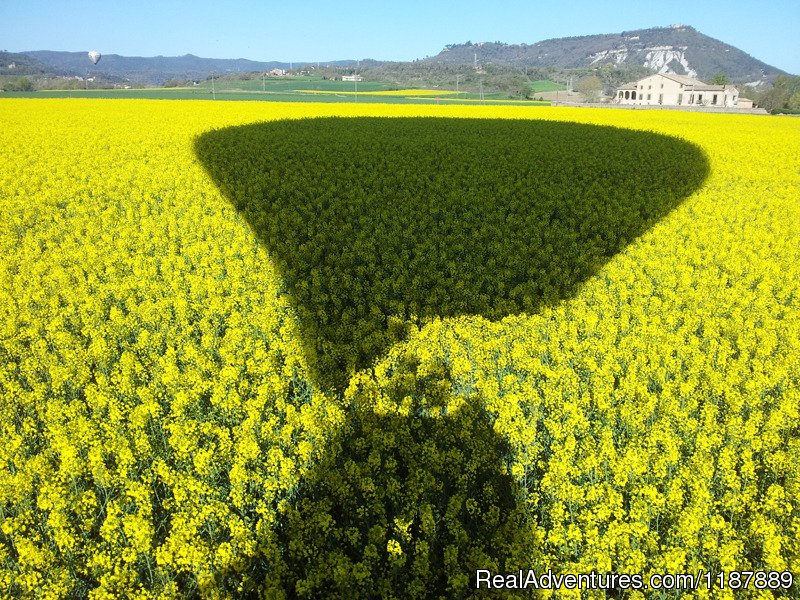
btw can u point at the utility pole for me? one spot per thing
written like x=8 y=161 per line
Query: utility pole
x=263 y=81
x=457 y=76
x=213 y=89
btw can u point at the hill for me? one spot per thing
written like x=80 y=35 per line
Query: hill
x=15 y=64
x=679 y=49
x=153 y=70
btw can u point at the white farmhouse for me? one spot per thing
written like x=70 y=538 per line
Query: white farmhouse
x=666 y=89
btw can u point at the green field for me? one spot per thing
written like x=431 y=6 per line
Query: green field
x=288 y=84
x=544 y=85
x=203 y=93
x=285 y=89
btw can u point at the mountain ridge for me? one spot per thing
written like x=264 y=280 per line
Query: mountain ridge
x=678 y=49
x=154 y=69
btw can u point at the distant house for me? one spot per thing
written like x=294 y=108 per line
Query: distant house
x=352 y=78
x=277 y=72
x=666 y=89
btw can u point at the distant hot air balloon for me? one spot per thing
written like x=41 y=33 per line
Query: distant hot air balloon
x=95 y=56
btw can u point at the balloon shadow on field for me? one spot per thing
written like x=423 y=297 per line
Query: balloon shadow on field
x=380 y=225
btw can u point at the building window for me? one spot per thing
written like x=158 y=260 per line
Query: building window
x=661 y=98
x=627 y=95
x=648 y=96
x=699 y=98
x=714 y=99
x=662 y=86
x=680 y=99
x=691 y=98
x=620 y=95
x=633 y=95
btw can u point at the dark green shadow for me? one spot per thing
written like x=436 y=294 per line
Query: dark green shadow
x=379 y=224
x=402 y=505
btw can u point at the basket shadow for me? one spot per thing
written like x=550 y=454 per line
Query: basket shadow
x=409 y=501
x=378 y=225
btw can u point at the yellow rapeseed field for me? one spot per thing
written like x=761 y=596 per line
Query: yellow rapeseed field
x=162 y=434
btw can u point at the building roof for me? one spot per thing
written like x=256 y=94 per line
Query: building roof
x=684 y=79
x=694 y=84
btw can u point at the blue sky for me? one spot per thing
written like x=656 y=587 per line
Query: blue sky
x=321 y=30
